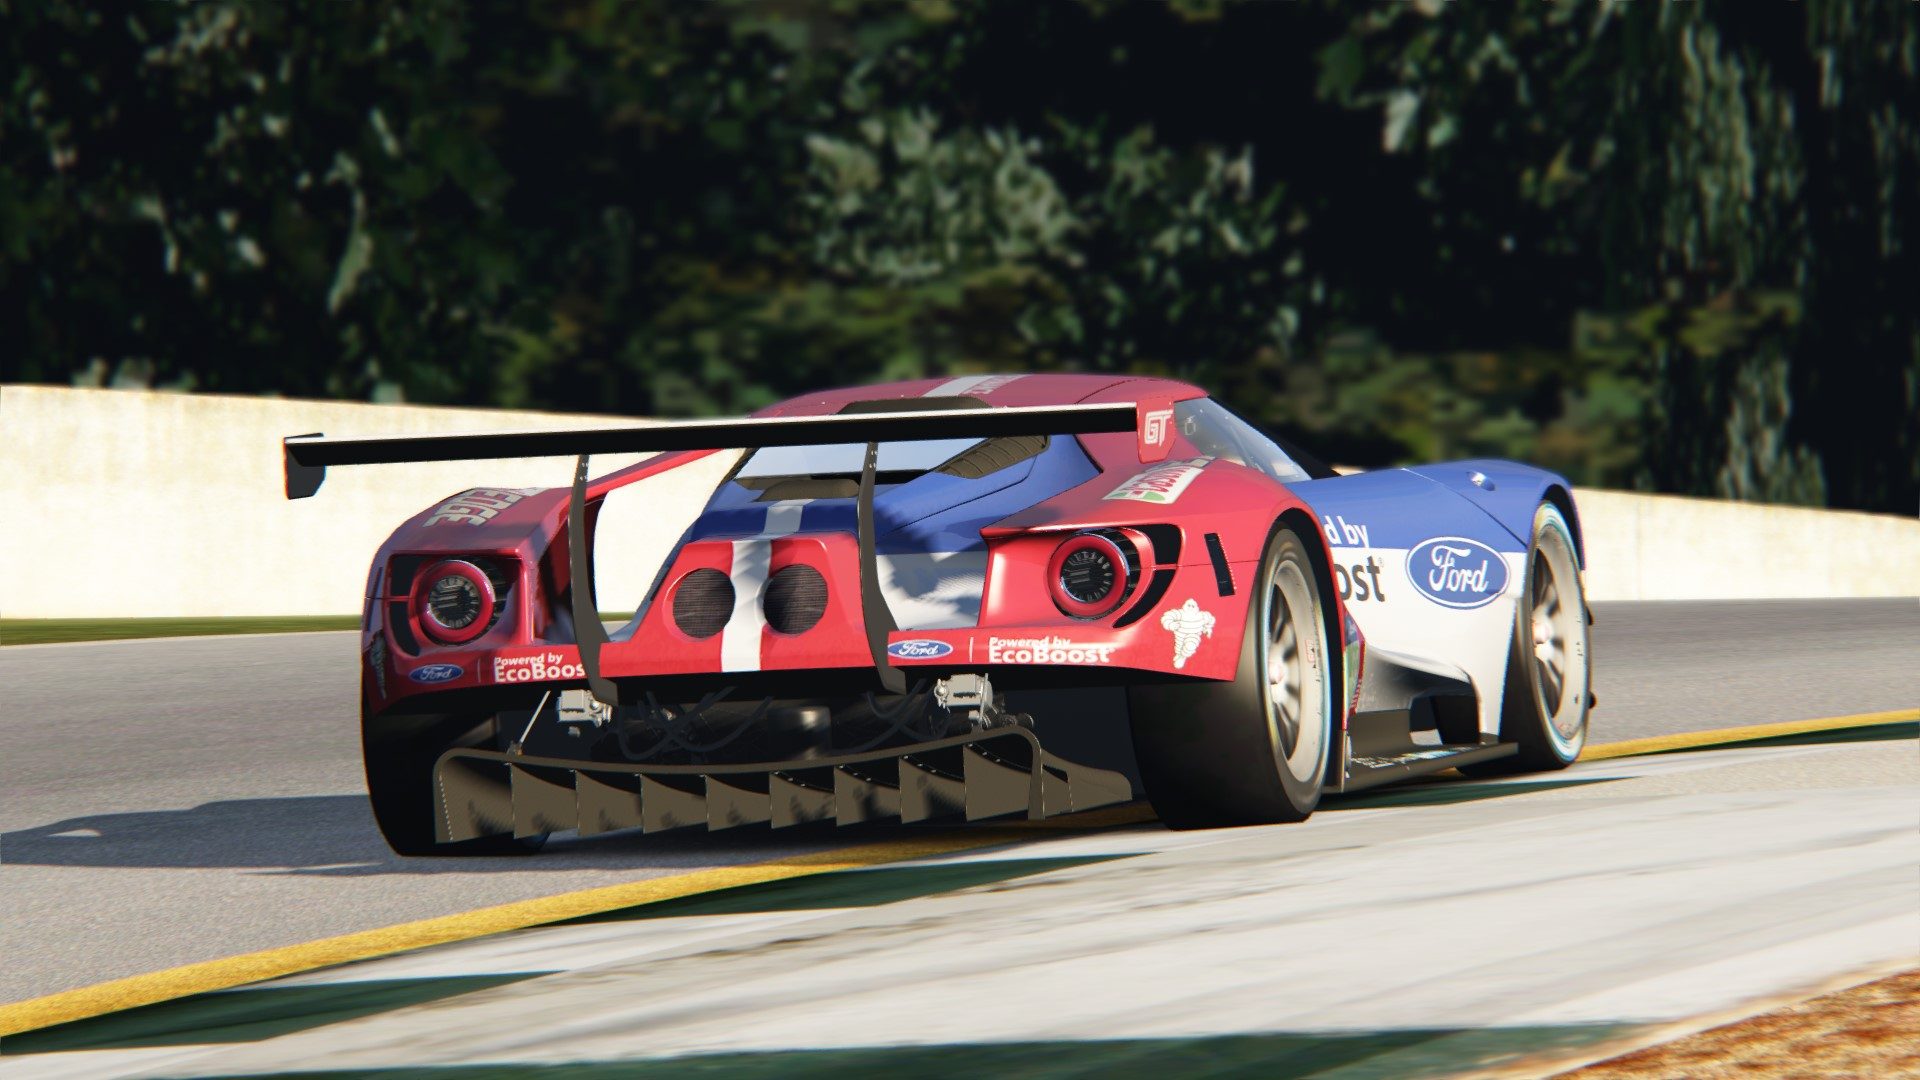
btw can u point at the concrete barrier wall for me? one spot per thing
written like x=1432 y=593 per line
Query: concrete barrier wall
x=1663 y=547
x=124 y=503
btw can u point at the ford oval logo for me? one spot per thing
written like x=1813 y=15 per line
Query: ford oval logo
x=918 y=649
x=1456 y=572
x=434 y=673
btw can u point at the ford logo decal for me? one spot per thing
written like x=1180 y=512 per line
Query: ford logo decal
x=1456 y=572
x=918 y=649
x=434 y=673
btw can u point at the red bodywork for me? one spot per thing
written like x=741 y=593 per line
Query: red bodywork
x=524 y=532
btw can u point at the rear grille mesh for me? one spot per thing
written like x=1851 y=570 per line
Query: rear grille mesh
x=702 y=603
x=796 y=598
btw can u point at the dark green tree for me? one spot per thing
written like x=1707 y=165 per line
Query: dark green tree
x=1664 y=244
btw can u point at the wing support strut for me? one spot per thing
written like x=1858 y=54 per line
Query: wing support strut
x=874 y=612
x=588 y=630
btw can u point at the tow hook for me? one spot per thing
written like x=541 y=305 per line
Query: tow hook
x=573 y=711
x=972 y=697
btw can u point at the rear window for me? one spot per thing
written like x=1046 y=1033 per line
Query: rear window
x=847 y=459
x=1218 y=433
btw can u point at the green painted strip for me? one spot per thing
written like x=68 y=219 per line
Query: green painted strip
x=843 y=888
x=1362 y=1055
x=246 y=1015
x=1900 y=731
x=1442 y=793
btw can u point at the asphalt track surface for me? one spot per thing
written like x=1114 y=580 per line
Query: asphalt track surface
x=170 y=801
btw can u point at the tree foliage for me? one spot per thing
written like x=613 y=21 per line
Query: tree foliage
x=1666 y=245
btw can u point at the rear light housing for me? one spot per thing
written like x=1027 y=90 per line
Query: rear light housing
x=1092 y=573
x=453 y=601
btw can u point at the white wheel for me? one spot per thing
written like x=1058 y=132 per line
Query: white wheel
x=1549 y=679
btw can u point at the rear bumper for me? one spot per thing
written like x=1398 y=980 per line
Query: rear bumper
x=1016 y=657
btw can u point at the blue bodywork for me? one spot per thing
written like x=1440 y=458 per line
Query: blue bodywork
x=931 y=513
x=1400 y=508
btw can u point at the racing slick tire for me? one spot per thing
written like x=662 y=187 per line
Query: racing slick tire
x=1255 y=750
x=400 y=752
x=1549 y=666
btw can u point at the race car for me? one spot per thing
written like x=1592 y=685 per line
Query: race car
x=970 y=597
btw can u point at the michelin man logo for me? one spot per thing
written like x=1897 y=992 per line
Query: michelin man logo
x=1189 y=624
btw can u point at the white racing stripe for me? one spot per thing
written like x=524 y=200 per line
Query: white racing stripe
x=783 y=517
x=956 y=387
x=978 y=385
x=740 y=638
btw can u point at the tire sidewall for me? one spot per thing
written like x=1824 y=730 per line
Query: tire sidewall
x=399 y=753
x=1540 y=741
x=1208 y=749
x=1283 y=547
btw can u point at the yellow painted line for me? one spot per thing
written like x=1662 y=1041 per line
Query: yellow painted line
x=232 y=971
x=1695 y=739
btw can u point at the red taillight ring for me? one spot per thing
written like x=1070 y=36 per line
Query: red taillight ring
x=423 y=613
x=1088 y=608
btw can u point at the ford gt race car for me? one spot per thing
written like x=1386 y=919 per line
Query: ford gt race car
x=1008 y=594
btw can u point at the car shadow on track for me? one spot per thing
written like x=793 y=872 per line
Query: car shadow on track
x=334 y=835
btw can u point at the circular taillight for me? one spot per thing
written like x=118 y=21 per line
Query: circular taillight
x=1089 y=575
x=702 y=602
x=453 y=601
x=795 y=599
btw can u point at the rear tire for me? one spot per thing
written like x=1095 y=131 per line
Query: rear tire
x=1549 y=666
x=1255 y=750
x=400 y=752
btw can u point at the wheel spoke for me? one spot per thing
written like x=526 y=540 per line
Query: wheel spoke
x=1550 y=683
x=1295 y=701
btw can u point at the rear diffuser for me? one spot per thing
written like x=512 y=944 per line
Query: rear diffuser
x=982 y=774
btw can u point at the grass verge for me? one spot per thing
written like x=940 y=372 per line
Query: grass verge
x=53 y=631
x=49 y=631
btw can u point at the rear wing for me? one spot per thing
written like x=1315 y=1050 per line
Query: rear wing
x=307 y=458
